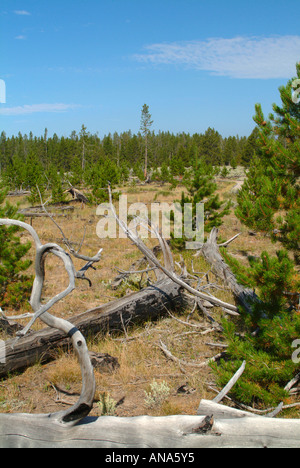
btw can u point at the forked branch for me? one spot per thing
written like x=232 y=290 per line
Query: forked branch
x=76 y=254
x=170 y=273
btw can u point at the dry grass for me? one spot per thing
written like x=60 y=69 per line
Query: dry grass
x=140 y=358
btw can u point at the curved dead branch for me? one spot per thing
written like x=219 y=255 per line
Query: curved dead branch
x=85 y=402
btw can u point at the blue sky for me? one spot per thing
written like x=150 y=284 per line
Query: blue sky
x=195 y=63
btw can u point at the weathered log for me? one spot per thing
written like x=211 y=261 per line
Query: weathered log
x=18 y=193
x=40 y=431
x=149 y=303
x=28 y=214
x=210 y=251
x=68 y=429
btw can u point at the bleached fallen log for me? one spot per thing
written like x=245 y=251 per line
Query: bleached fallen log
x=149 y=303
x=72 y=429
x=8 y=326
x=18 y=193
x=28 y=214
x=30 y=431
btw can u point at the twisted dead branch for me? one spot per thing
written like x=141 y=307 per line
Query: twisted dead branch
x=85 y=402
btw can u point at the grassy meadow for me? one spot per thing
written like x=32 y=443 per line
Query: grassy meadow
x=52 y=386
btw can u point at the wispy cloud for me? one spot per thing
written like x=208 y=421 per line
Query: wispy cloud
x=37 y=108
x=22 y=12
x=20 y=38
x=238 y=57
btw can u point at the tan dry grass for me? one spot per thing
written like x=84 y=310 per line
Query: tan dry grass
x=141 y=360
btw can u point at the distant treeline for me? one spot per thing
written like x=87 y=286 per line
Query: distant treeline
x=27 y=160
x=84 y=148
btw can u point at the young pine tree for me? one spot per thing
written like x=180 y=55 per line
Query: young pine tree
x=201 y=189
x=15 y=286
x=269 y=202
x=34 y=177
x=146 y=124
x=99 y=175
x=270 y=198
x=56 y=180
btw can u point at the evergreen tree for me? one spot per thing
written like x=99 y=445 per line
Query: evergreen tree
x=56 y=180
x=15 y=286
x=269 y=200
x=250 y=148
x=201 y=189
x=108 y=146
x=211 y=149
x=34 y=177
x=83 y=140
x=146 y=124
x=177 y=166
x=165 y=173
x=14 y=176
x=76 y=174
x=230 y=151
x=98 y=176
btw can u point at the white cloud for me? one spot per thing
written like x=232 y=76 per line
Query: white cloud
x=238 y=57
x=20 y=38
x=36 y=108
x=22 y=13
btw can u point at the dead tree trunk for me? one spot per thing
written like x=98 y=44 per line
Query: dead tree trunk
x=189 y=432
x=210 y=251
x=149 y=303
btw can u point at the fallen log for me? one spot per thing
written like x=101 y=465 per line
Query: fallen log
x=28 y=214
x=73 y=429
x=18 y=193
x=210 y=251
x=182 y=431
x=149 y=303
